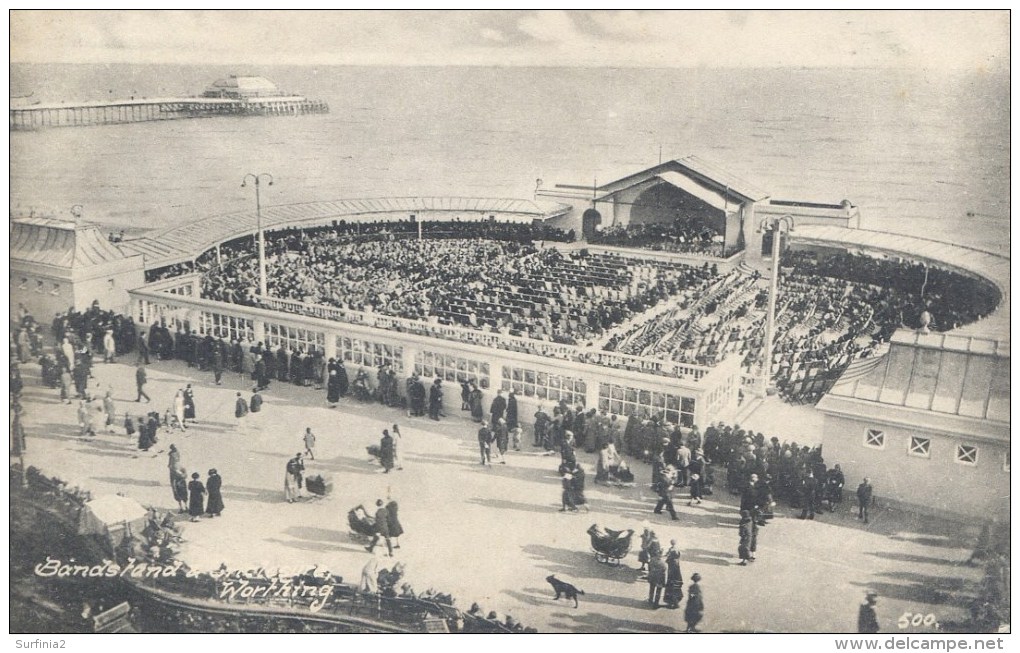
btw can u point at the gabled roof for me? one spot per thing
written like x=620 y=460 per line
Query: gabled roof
x=61 y=243
x=705 y=174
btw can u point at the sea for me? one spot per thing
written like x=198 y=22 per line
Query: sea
x=921 y=152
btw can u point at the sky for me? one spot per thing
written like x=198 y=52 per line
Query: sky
x=908 y=39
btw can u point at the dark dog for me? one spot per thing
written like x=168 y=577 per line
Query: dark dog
x=564 y=589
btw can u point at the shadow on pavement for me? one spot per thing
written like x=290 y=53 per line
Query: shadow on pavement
x=593 y=622
x=578 y=564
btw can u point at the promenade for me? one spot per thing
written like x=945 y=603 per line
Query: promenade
x=491 y=534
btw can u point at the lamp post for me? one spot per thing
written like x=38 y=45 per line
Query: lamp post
x=258 y=219
x=774 y=225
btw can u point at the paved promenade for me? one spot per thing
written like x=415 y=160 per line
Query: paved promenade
x=491 y=535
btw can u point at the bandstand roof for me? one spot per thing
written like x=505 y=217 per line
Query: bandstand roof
x=696 y=176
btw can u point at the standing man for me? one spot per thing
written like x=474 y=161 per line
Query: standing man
x=864 y=499
x=663 y=486
x=436 y=399
x=484 y=443
x=867 y=620
x=310 y=443
x=512 y=419
x=217 y=361
x=808 y=495
x=834 y=481
x=497 y=410
x=140 y=381
x=293 y=480
x=502 y=439
x=382 y=528
x=748 y=537
x=143 y=349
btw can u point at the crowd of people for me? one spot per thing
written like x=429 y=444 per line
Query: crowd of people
x=505 y=285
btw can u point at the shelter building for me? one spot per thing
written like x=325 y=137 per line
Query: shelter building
x=58 y=264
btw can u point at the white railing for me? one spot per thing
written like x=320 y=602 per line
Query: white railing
x=488 y=339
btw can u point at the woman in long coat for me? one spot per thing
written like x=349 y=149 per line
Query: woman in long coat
x=214 y=485
x=386 y=451
x=189 y=403
x=695 y=609
x=475 y=402
x=333 y=386
x=674 y=579
x=196 y=499
x=511 y=411
x=396 y=529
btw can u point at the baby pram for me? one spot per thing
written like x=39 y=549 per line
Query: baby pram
x=319 y=485
x=610 y=546
x=362 y=524
x=375 y=451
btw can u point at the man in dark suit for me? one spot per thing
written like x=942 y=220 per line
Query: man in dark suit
x=498 y=408
x=140 y=380
x=864 y=499
x=808 y=495
x=436 y=399
x=485 y=443
x=382 y=528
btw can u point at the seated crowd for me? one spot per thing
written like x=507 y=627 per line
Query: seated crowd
x=829 y=313
x=499 y=285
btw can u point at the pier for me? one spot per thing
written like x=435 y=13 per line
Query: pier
x=84 y=114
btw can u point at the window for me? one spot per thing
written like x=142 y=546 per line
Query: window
x=919 y=447
x=966 y=454
x=621 y=400
x=370 y=354
x=294 y=338
x=24 y=284
x=39 y=286
x=874 y=438
x=1005 y=461
x=56 y=290
x=452 y=368
x=112 y=283
x=544 y=386
x=227 y=327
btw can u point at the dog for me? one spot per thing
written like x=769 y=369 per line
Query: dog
x=564 y=589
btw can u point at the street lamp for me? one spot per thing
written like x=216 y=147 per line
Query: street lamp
x=774 y=225
x=258 y=218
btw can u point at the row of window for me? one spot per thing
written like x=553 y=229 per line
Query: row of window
x=920 y=447
x=370 y=354
x=542 y=385
x=40 y=286
x=621 y=400
x=452 y=368
x=293 y=338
